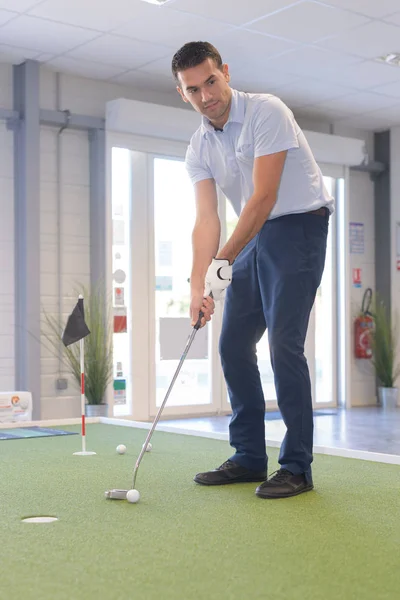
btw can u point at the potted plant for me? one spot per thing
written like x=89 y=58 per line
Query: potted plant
x=385 y=356
x=98 y=349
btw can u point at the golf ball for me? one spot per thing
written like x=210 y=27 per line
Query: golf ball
x=148 y=447
x=133 y=496
x=121 y=449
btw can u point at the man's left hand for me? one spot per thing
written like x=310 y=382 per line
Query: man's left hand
x=218 y=277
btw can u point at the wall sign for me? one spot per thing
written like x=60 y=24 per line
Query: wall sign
x=356 y=238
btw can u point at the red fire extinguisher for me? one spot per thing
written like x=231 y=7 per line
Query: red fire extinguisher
x=362 y=328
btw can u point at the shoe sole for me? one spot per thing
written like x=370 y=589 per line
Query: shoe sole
x=272 y=497
x=230 y=481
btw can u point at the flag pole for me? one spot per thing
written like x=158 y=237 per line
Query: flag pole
x=83 y=452
x=82 y=354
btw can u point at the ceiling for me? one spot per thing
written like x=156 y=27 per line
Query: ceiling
x=319 y=57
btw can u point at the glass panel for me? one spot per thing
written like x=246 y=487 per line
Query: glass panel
x=174 y=216
x=324 y=320
x=263 y=354
x=121 y=283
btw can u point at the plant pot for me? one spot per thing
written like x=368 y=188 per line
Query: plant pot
x=388 y=397
x=96 y=410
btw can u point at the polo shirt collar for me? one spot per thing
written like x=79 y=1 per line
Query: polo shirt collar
x=236 y=113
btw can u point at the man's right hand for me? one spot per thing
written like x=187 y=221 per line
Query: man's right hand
x=199 y=303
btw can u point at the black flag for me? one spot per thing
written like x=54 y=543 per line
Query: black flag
x=76 y=328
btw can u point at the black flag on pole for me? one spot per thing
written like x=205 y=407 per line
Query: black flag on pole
x=76 y=328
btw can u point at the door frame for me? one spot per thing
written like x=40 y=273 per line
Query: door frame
x=142 y=253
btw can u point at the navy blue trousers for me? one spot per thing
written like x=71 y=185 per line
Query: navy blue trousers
x=274 y=282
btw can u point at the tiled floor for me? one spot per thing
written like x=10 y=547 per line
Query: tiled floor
x=368 y=429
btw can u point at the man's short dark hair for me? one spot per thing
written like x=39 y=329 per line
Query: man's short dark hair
x=193 y=54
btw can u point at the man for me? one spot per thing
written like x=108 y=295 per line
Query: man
x=252 y=148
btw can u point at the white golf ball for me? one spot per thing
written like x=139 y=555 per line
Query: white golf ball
x=148 y=447
x=133 y=496
x=121 y=449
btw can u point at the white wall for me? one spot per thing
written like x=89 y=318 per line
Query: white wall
x=89 y=97
x=362 y=383
x=68 y=241
x=395 y=218
x=7 y=294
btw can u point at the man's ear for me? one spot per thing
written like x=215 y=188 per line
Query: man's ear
x=225 y=70
x=182 y=95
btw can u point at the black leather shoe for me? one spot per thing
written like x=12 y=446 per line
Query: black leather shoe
x=229 y=472
x=283 y=484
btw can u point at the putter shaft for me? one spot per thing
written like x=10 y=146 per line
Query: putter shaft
x=182 y=360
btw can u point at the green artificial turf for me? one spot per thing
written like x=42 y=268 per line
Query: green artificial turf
x=185 y=541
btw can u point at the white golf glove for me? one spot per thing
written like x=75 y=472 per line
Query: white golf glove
x=218 y=277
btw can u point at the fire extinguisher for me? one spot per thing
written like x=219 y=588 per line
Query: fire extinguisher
x=362 y=328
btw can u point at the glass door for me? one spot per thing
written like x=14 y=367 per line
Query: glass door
x=323 y=322
x=121 y=191
x=173 y=216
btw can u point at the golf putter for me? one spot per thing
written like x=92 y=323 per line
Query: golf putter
x=117 y=494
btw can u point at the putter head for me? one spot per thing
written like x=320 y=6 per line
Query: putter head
x=116 y=494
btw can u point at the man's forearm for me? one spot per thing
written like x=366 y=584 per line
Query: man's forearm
x=205 y=242
x=251 y=220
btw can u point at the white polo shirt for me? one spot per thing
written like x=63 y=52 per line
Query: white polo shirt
x=258 y=124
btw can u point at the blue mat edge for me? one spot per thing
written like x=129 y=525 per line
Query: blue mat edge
x=6 y=434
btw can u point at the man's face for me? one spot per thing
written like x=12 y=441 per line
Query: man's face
x=207 y=89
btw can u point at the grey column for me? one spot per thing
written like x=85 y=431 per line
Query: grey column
x=27 y=231
x=382 y=220
x=97 y=154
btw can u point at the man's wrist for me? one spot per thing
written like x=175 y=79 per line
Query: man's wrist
x=225 y=255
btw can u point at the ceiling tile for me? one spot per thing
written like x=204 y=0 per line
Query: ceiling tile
x=13 y=53
x=265 y=81
x=160 y=67
x=145 y=81
x=18 y=5
x=103 y=16
x=390 y=89
x=312 y=60
x=5 y=16
x=395 y=19
x=246 y=49
x=44 y=36
x=310 y=91
x=121 y=51
x=84 y=68
x=237 y=13
x=170 y=27
x=392 y=113
x=45 y=56
x=369 y=41
x=308 y=22
x=371 y=8
x=360 y=102
x=370 y=122
x=323 y=114
x=364 y=75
